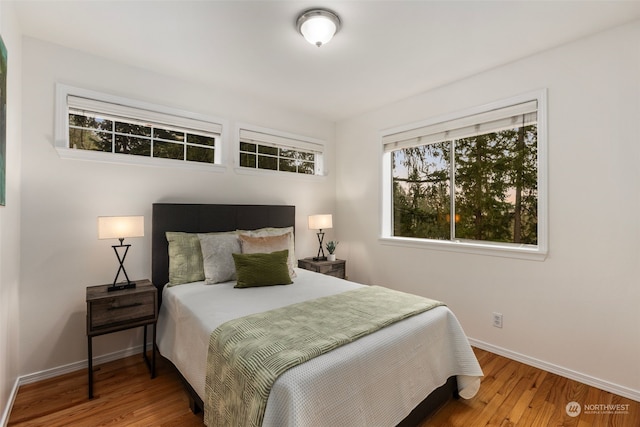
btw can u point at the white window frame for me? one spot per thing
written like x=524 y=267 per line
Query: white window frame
x=280 y=139
x=70 y=97
x=530 y=252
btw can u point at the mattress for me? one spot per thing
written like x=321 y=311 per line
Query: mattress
x=376 y=380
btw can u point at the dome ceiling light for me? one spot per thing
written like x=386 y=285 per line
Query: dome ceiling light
x=318 y=26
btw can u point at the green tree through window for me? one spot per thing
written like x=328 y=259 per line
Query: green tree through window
x=95 y=131
x=270 y=151
x=481 y=188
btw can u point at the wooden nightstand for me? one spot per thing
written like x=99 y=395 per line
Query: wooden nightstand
x=119 y=310
x=335 y=268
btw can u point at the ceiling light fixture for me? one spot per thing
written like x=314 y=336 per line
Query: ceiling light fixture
x=318 y=26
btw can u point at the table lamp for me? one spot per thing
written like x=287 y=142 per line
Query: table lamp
x=120 y=227
x=320 y=222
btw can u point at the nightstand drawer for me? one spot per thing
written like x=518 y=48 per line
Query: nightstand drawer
x=336 y=270
x=108 y=312
x=331 y=268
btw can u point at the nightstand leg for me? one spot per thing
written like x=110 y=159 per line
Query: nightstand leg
x=153 y=353
x=90 y=352
x=144 y=345
x=151 y=364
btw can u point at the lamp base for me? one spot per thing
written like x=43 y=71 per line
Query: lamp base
x=319 y=258
x=121 y=286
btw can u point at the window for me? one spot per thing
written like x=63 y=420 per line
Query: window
x=126 y=130
x=269 y=151
x=471 y=181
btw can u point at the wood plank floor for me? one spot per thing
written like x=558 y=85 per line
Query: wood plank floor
x=512 y=394
x=515 y=394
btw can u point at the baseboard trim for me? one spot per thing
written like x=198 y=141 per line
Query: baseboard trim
x=559 y=370
x=12 y=398
x=76 y=366
x=61 y=370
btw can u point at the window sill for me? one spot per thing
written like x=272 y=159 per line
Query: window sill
x=128 y=159
x=267 y=172
x=488 y=249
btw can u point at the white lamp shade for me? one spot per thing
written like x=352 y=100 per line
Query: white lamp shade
x=318 y=26
x=318 y=30
x=119 y=227
x=320 y=222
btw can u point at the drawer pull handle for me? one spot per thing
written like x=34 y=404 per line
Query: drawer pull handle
x=118 y=307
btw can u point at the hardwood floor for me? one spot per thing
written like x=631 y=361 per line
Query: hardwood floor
x=515 y=394
x=124 y=395
x=512 y=394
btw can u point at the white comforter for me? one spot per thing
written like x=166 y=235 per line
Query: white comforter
x=374 y=381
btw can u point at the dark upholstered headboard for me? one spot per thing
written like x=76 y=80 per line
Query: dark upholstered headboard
x=201 y=218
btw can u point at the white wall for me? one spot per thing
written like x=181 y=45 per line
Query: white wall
x=10 y=214
x=578 y=309
x=61 y=199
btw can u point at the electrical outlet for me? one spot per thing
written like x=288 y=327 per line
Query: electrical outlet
x=497 y=320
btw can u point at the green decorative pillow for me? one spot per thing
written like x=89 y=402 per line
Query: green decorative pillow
x=185 y=258
x=262 y=269
x=273 y=231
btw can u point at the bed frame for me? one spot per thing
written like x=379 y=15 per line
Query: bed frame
x=195 y=218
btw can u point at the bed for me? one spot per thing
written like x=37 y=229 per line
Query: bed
x=395 y=376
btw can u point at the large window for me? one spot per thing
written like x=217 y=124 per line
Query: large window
x=472 y=180
x=267 y=150
x=127 y=130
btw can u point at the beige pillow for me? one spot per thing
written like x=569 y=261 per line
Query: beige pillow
x=275 y=231
x=267 y=244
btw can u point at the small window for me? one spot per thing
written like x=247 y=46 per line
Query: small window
x=268 y=151
x=97 y=123
x=473 y=180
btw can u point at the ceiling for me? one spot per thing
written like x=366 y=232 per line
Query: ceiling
x=384 y=52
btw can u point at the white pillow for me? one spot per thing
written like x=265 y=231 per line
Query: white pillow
x=216 y=256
